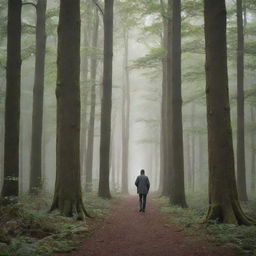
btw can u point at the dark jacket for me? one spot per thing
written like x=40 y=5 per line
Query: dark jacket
x=142 y=184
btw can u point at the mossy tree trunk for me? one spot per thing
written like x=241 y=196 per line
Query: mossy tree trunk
x=38 y=99
x=12 y=101
x=223 y=198
x=241 y=170
x=90 y=146
x=177 y=188
x=67 y=195
x=106 y=103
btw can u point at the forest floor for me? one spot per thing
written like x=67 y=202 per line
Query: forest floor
x=126 y=231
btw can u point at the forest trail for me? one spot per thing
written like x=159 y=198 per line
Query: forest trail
x=127 y=232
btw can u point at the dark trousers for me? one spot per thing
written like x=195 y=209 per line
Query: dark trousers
x=143 y=200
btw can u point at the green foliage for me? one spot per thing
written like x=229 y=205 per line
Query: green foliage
x=26 y=228
x=241 y=238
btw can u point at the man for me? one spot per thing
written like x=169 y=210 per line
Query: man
x=142 y=184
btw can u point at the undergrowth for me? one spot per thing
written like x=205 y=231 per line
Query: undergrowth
x=241 y=238
x=27 y=229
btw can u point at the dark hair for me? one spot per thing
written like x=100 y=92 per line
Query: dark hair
x=142 y=171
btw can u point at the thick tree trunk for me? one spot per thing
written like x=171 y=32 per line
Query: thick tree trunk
x=125 y=117
x=12 y=101
x=223 y=198
x=90 y=146
x=106 y=104
x=177 y=191
x=67 y=195
x=241 y=171
x=38 y=99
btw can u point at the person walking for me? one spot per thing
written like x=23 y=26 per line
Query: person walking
x=142 y=183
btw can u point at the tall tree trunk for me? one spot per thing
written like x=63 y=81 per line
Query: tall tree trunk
x=165 y=174
x=253 y=171
x=177 y=191
x=106 y=104
x=67 y=195
x=241 y=171
x=38 y=99
x=125 y=117
x=193 y=146
x=12 y=101
x=223 y=198
x=84 y=96
x=89 y=151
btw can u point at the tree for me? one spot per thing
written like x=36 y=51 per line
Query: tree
x=241 y=171
x=89 y=151
x=67 y=194
x=223 y=198
x=38 y=98
x=125 y=115
x=177 y=190
x=105 y=127
x=12 y=101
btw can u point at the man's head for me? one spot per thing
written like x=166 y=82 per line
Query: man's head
x=142 y=172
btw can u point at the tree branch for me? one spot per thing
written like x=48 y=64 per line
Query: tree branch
x=30 y=3
x=98 y=6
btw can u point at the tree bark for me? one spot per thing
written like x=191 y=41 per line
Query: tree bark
x=241 y=170
x=38 y=99
x=90 y=146
x=106 y=104
x=177 y=191
x=67 y=195
x=12 y=101
x=125 y=117
x=223 y=198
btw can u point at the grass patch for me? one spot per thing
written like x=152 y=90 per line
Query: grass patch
x=26 y=228
x=241 y=238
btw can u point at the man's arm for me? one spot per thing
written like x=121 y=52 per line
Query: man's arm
x=148 y=183
x=137 y=182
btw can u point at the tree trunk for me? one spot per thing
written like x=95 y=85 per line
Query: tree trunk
x=84 y=96
x=12 y=101
x=193 y=146
x=253 y=171
x=241 y=172
x=165 y=174
x=223 y=198
x=89 y=151
x=67 y=195
x=125 y=117
x=105 y=128
x=38 y=99
x=177 y=191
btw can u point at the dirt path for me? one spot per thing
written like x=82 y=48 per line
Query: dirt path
x=127 y=232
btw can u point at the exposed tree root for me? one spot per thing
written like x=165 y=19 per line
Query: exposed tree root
x=70 y=208
x=232 y=214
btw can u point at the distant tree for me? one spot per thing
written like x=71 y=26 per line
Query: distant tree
x=125 y=115
x=12 y=101
x=67 y=194
x=105 y=129
x=38 y=98
x=241 y=170
x=223 y=198
x=89 y=151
